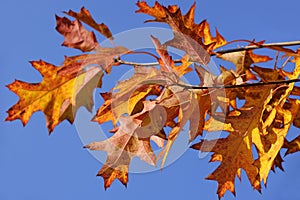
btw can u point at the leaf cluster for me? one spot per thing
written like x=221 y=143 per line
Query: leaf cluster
x=156 y=98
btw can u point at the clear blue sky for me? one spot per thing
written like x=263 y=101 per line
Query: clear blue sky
x=34 y=166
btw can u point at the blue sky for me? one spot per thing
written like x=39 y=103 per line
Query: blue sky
x=34 y=166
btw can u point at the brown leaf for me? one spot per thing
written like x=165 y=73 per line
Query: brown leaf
x=293 y=146
x=104 y=58
x=183 y=23
x=278 y=163
x=267 y=74
x=76 y=36
x=131 y=139
x=85 y=16
x=188 y=107
x=193 y=38
x=166 y=62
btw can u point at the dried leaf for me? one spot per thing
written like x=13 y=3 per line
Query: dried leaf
x=195 y=39
x=128 y=94
x=131 y=139
x=76 y=36
x=234 y=153
x=85 y=16
x=166 y=62
x=103 y=57
x=243 y=60
x=183 y=23
x=57 y=96
x=292 y=146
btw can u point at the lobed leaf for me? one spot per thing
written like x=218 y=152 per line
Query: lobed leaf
x=58 y=97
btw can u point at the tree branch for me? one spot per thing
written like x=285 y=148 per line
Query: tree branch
x=141 y=64
x=260 y=46
x=251 y=47
x=237 y=86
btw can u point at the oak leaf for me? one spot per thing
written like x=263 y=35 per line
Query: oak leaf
x=85 y=16
x=166 y=62
x=76 y=36
x=57 y=96
x=243 y=60
x=195 y=39
x=266 y=120
x=186 y=106
x=128 y=93
x=103 y=57
x=234 y=153
x=292 y=146
x=132 y=138
x=236 y=149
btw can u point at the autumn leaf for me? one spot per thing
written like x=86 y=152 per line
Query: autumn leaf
x=103 y=57
x=292 y=146
x=235 y=151
x=243 y=60
x=261 y=113
x=121 y=148
x=57 y=96
x=132 y=138
x=167 y=63
x=76 y=36
x=253 y=104
x=234 y=154
x=85 y=16
x=128 y=93
x=195 y=39
x=183 y=23
x=221 y=98
x=115 y=106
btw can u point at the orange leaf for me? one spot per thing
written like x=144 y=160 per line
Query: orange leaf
x=128 y=94
x=58 y=97
x=183 y=27
x=234 y=153
x=243 y=60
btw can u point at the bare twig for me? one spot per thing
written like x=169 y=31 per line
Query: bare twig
x=251 y=47
x=260 y=46
x=141 y=64
x=238 y=86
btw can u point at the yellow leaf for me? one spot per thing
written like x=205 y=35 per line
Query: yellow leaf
x=58 y=97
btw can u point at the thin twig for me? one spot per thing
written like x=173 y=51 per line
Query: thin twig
x=141 y=64
x=237 y=86
x=276 y=60
x=251 y=47
x=259 y=46
x=285 y=63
